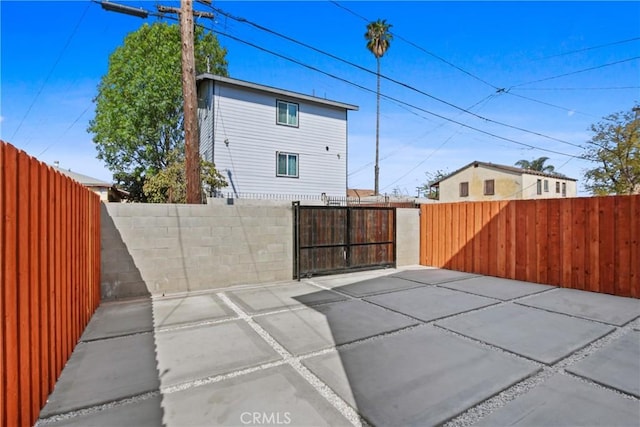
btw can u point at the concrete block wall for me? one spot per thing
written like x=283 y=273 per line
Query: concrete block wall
x=150 y=249
x=159 y=248
x=407 y=237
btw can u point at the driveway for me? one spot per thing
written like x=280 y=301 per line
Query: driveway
x=417 y=346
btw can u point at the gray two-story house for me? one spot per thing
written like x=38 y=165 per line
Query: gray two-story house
x=271 y=141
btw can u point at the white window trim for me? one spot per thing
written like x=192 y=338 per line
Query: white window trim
x=287 y=103
x=278 y=153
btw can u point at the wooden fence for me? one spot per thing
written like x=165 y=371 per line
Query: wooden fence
x=49 y=278
x=590 y=243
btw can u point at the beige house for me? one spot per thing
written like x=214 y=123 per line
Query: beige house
x=107 y=192
x=480 y=181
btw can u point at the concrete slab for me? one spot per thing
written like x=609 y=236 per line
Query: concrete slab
x=144 y=413
x=565 y=401
x=537 y=334
x=588 y=305
x=334 y=280
x=377 y=285
x=169 y=311
x=419 y=377
x=307 y=330
x=271 y=396
x=269 y=298
x=189 y=354
x=433 y=276
x=495 y=287
x=616 y=366
x=430 y=303
x=104 y=371
x=118 y=318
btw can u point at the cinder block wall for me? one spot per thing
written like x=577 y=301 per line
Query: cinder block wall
x=407 y=237
x=159 y=248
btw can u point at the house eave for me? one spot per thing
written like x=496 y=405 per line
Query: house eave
x=503 y=168
x=276 y=91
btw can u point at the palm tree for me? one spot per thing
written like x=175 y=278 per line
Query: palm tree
x=537 y=165
x=378 y=41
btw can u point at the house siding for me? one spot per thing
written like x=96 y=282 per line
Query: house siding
x=246 y=118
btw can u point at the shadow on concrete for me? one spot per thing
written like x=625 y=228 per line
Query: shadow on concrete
x=112 y=376
x=414 y=375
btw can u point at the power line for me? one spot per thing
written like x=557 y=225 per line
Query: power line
x=439 y=58
x=55 y=64
x=65 y=131
x=424 y=160
x=578 y=88
x=295 y=61
x=576 y=72
x=405 y=85
x=570 y=110
x=484 y=100
x=571 y=52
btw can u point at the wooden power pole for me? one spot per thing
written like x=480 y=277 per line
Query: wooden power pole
x=191 y=136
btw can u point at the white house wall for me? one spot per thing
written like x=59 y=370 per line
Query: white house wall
x=507 y=185
x=246 y=119
x=530 y=185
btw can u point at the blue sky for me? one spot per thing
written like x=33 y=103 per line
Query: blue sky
x=512 y=64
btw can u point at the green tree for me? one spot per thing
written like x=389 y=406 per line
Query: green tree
x=615 y=148
x=378 y=41
x=537 y=165
x=170 y=185
x=139 y=113
x=427 y=188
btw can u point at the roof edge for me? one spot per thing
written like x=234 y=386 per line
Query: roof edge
x=505 y=168
x=270 y=89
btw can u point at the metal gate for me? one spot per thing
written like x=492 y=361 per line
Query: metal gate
x=329 y=239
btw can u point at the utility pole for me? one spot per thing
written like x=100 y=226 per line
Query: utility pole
x=191 y=136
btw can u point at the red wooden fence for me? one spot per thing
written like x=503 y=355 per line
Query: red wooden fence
x=589 y=243
x=49 y=278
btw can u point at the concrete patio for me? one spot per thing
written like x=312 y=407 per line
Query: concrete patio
x=390 y=347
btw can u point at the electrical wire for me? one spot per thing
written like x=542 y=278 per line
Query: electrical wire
x=392 y=80
x=578 y=88
x=402 y=84
x=484 y=100
x=439 y=58
x=569 y=110
x=571 y=52
x=65 y=131
x=576 y=72
x=295 y=61
x=55 y=64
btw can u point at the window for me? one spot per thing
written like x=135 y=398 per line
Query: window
x=546 y=185
x=489 y=185
x=287 y=165
x=558 y=187
x=464 y=189
x=564 y=189
x=539 y=186
x=287 y=113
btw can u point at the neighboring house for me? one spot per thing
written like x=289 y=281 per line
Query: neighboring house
x=480 y=181
x=272 y=141
x=107 y=192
